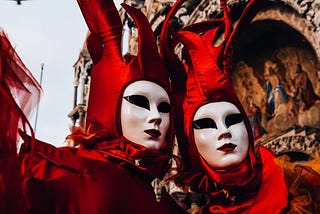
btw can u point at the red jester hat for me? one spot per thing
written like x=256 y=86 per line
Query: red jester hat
x=112 y=72
x=208 y=80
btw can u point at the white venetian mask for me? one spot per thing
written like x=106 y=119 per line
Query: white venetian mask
x=145 y=114
x=220 y=135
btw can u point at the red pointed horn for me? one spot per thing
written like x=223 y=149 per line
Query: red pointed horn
x=204 y=26
x=147 y=46
x=167 y=44
x=227 y=19
x=165 y=33
x=95 y=47
x=247 y=15
x=206 y=73
x=103 y=19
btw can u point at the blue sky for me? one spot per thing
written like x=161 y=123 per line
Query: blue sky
x=50 y=32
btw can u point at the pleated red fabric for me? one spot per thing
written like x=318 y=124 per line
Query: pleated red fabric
x=76 y=181
x=19 y=95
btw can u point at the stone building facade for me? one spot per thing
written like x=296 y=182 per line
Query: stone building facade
x=81 y=83
x=276 y=68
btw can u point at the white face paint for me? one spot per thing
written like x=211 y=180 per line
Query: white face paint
x=220 y=135
x=145 y=114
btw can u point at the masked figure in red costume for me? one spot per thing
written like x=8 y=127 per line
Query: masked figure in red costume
x=19 y=94
x=128 y=137
x=216 y=139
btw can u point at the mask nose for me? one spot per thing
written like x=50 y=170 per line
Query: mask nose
x=154 y=116
x=224 y=133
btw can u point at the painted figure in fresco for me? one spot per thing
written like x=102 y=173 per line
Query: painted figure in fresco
x=304 y=91
x=19 y=95
x=275 y=93
x=220 y=158
x=255 y=117
x=128 y=137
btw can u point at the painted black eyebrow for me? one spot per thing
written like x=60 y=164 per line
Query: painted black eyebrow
x=204 y=123
x=233 y=119
x=138 y=100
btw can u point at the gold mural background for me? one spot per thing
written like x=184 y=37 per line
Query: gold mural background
x=276 y=76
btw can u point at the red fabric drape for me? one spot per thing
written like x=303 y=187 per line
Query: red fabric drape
x=19 y=95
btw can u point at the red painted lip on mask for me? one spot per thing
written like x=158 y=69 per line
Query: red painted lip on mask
x=227 y=147
x=153 y=132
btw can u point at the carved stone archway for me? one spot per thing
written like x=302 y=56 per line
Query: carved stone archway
x=303 y=140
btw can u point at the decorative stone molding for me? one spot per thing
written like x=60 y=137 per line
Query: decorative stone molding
x=81 y=83
x=302 y=15
x=295 y=142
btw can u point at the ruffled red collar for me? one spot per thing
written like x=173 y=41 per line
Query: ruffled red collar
x=266 y=193
x=127 y=154
x=122 y=152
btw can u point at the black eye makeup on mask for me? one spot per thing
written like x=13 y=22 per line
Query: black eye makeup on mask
x=138 y=100
x=233 y=119
x=143 y=102
x=164 y=107
x=205 y=123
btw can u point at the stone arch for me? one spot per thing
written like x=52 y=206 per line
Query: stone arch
x=288 y=15
x=293 y=144
x=275 y=37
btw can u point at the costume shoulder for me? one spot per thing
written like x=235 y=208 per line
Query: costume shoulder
x=303 y=182
x=272 y=176
x=74 y=180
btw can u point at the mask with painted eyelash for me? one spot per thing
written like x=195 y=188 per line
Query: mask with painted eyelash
x=145 y=114
x=203 y=123
x=220 y=135
x=143 y=102
x=111 y=71
x=208 y=68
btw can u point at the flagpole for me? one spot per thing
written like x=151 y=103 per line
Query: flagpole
x=36 y=120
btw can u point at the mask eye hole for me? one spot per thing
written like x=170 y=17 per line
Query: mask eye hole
x=233 y=119
x=164 y=107
x=138 y=100
x=205 y=123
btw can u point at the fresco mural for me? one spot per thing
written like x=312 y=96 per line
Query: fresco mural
x=277 y=79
